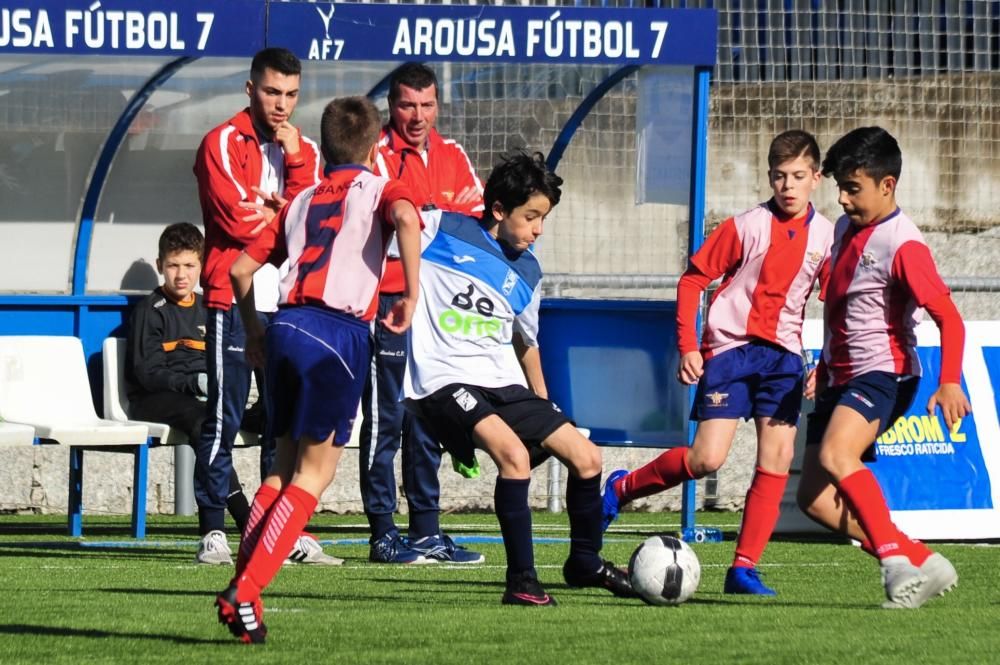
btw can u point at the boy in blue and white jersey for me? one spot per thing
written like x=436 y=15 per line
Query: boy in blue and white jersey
x=479 y=294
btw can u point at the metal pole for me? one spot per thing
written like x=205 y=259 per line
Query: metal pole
x=699 y=159
x=183 y=480
x=555 y=491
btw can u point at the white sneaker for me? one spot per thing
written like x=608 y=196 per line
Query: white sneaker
x=904 y=583
x=308 y=550
x=214 y=550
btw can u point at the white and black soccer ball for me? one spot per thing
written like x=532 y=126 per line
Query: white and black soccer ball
x=664 y=570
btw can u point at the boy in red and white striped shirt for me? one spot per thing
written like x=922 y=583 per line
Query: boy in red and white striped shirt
x=882 y=273
x=750 y=363
x=334 y=236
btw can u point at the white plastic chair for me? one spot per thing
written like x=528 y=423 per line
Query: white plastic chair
x=116 y=408
x=44 y=385
x=116 y=403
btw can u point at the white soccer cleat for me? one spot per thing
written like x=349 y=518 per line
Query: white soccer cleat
x=214 y=550
x=904 y=583
x=941 y=577
x=308 y=550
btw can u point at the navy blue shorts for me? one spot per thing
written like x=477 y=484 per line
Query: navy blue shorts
x=755 y=380
x=452 y=412
x=317 y=362
x=881 y=396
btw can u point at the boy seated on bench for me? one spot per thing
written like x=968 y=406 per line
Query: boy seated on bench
x=165 y=369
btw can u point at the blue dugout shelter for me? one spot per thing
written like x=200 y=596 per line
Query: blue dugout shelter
x=610 y=364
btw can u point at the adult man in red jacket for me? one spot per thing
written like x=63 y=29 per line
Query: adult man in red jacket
x=245 y=168
x=440 y=175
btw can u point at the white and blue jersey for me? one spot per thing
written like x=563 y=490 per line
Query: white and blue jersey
x=473 y=297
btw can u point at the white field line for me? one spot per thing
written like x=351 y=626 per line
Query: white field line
x=704 y=565
x=430 y=567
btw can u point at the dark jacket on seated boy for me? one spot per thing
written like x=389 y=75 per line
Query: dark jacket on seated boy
x=166 y=349
x=165 y=358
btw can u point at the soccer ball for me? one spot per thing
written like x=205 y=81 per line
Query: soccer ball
x=664 y=570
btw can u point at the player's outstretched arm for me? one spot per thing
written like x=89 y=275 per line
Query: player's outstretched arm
x=953 y=403
x=262 y=214
x=531 y=364
x=914 y=266
x=949 y=396
x=690 y=367
x=722 y=251
x=241 y=275
x=406 y=219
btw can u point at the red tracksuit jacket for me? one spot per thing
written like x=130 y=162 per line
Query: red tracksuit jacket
x=228 y=164
x=448 y=171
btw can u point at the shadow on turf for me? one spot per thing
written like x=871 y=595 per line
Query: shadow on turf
x=122 y=530
x=210 y=594
x=485 y=592
x=600 y=596
x=92 y=529
x=62 y=550
x=58 y=631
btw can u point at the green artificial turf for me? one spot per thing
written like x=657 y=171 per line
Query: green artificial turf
x=107 y=598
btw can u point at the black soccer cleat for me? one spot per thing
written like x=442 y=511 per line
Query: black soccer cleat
x=524 y=589
x=608 y=576
x=244 y=620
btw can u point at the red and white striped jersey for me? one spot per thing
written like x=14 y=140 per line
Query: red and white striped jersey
x=880 y=277
x=334 y=236
x=769 y=267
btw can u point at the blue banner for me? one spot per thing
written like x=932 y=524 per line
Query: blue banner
x=133 y=27
x=328 y=31
x=923 y=466
x=992 y=356
x=938 y=484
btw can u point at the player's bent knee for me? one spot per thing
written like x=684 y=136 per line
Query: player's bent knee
x=703 y=465
x=581 y=455
x=835 y=462
x=777 y=459
x=512 y=461
x=586 y=462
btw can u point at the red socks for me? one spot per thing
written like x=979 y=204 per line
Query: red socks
x=288 y=516
x=865 y=499
x=865 y=488
x=759 y=516
x=915 y=550
x=666 y=471
x=262 y=502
